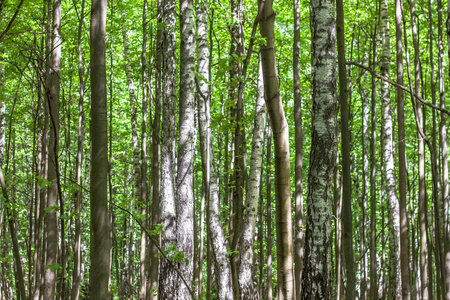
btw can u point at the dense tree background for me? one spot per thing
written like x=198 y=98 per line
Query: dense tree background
x=210 y=192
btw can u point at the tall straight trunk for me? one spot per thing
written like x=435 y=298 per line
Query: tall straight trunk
x=246 y=270
x=186 y=148
x=143 y=201
x=422 y=192
x=337 y=209
x=317 y=265
x=167 y=275
x=404 y=233
x=216 y=237
x=269 y=214
x=434 y=170
x=443 y=140
x=100 y=224
x=203 y=90
x=373 y=169
x=347 y=220
x=155 y=176
x=78 y=195
x=51 y=218
x=395 y=289
x=278 y=123
x=239 y=172
x=298 y=242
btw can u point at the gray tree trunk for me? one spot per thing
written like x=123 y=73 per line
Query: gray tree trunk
x=317 y=262
x=203 y=65
x=167 y=275
x=186 y=148
x=246 y=270
x=99 y=273
x=388 y=160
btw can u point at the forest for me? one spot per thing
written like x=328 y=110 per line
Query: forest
x=209 y=149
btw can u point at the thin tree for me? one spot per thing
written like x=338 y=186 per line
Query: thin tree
x=278 y=123
x=404 y=238
x=317 y=262
x=100 y=224
x=347 y=219
x=51 y=219
x=298 y=242
x=388 y=160
x=246 y=270
x=78 y=195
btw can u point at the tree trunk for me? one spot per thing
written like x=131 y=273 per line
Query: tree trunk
x=443 y=139
x=203 y=90
x=388 y=160
x=155 y=176
x=317 y=265
x=422 y=192
x=269 y=214
x=298 y=242
x=51 y=218
x=285 y=259
x=78 y=195
x=246 y=271
x=347 y=220
x=373 y=168
x=100 y=223
x=143 y=201
x=186 y=148
x=167 y=275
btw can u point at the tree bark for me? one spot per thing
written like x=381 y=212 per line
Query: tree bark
x=395 y=290
x=285 y=255
x=78 y=195
x=167 y=275
x=422 y=215
x=269 y=214
x=155 y=176
x=317 y=264
x=246 y=270
x=373 y=168
x=186 y=148
x=347 y=219
x=51 y=218
x=298 y=242
x=100 y=224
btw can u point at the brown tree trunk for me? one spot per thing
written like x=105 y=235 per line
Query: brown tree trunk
x=285 y=255
x=100 y=224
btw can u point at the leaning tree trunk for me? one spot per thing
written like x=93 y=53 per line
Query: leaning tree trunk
x=285 y=255
x=100 y=224
x=186 y=148
x=51 y=219
x=246 y=271
x=317 y=262
x=167 y=274
x=388 y=160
